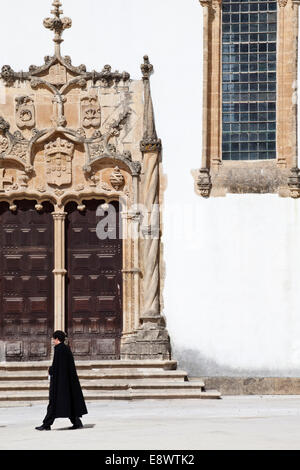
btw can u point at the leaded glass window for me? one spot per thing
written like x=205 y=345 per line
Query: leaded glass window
x=249 y=79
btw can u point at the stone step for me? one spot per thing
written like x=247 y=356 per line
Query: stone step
x=102 y=380
x=173 y=375
x=114 y=364
x=102 y=385
x=130 y=394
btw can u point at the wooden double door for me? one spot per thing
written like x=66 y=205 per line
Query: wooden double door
x=94 y=283
x=26 y=281
x=93 y=290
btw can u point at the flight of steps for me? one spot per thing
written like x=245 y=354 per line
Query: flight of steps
x=103 y=380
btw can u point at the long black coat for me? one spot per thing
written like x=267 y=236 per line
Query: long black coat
x=65 y=395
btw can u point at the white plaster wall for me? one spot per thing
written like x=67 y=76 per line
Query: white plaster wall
x=232 y=288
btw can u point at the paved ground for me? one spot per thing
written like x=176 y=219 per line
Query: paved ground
x=244 y=422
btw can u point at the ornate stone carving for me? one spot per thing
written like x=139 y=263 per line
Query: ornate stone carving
x=4 y=144
x=150 y=145
x=116 y=178
x=57 y=75
x=282 y=3
x=8 y=75
x=25 y=112
x=5 y=179
x=214 y=5
x=90 y=111
x=4 y=125
x=23 y=180
x=109 y=78
x=13 y=207
x=94 y=179
x=59 y=155
x=104 y=186
x=38 y=207
x=97 y=149
x=205 y=3
x=294 y=183
x=115 y=127
x=100 y=147
x=57 y=24
x=147 y=68
x=204 y=182
x=59 y=192
x=150 y=142
x=19 y=147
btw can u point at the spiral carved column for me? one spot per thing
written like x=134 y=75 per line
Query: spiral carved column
x=151 y=237
x=151 y=339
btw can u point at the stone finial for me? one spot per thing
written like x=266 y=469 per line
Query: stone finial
x=57 y=24
x=147 y=68
x=150 y=142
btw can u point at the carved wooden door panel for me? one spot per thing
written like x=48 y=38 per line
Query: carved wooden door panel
x=94 y=285
x=26 y=281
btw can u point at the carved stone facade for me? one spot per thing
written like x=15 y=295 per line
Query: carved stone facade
x=74 y=136
x=217 y=177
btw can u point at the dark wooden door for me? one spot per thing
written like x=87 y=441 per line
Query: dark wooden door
x=94 y=285
x=26 y=281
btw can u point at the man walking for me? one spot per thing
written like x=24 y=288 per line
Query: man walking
x=65 y=396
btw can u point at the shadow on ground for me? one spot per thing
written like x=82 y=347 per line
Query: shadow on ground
x=85 y=426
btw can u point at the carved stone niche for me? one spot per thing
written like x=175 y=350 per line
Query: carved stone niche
x=25 y=112
x=90 y=111
x=58 y=159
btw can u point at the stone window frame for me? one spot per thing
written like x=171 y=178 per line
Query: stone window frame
x=217 y=177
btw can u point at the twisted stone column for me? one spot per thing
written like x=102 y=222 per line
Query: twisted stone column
x=151 y=236
x=151 y=339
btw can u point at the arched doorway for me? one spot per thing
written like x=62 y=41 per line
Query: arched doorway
x=93 y=283
x=26 y=281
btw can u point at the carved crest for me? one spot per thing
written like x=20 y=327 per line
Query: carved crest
x=90 y=111
x=117 y=179
x=57 y=75
x=25 y=112
x=59 y=155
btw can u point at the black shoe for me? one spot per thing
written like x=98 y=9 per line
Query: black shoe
x=43 y=428
x=77 y=425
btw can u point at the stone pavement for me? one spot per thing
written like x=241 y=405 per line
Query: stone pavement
x=241 y=422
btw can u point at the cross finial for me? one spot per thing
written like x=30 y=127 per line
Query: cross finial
x=57 y=24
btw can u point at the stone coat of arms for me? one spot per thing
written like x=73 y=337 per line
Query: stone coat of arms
x=59 y=155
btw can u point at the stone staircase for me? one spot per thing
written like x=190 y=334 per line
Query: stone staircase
x=103 y=380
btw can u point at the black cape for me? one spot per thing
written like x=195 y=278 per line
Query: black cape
x=65 y=391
